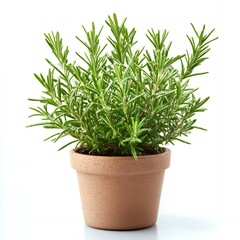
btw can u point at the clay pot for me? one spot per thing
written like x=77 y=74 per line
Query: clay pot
x=120 y=193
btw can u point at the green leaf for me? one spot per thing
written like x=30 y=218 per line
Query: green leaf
x=200 y=128
x=134 y=153
x=183 y=141
x=52 y=136
x=37 y=124
x=61 y=148
x=60 y=135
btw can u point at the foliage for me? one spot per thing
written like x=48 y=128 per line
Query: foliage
x=124 y=101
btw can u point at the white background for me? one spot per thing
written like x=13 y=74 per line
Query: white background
x=39 y=196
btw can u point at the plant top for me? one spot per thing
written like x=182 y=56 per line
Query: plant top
x=125 y=101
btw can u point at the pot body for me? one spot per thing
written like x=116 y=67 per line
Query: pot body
x=120 y=193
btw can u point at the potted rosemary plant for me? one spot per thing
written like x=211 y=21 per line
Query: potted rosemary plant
x=121 y=105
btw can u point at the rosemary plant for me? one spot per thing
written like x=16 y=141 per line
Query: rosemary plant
x=124 y=101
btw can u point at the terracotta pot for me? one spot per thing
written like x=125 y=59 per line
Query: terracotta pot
x=120 y=193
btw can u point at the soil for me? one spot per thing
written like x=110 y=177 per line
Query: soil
x=111 y=152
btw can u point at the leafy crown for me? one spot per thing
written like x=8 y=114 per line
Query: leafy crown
x=124 y=101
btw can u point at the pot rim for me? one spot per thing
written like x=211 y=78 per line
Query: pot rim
x=120 y=165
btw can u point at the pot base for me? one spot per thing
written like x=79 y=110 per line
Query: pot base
x=121 y=229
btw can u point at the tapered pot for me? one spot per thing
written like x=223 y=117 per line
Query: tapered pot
x=120 y=193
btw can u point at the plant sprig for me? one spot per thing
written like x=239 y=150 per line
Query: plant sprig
x=127 y=101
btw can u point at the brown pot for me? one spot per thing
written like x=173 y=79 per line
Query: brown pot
x=120 y=193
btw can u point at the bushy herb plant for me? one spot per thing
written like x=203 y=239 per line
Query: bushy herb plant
x=120 y=100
